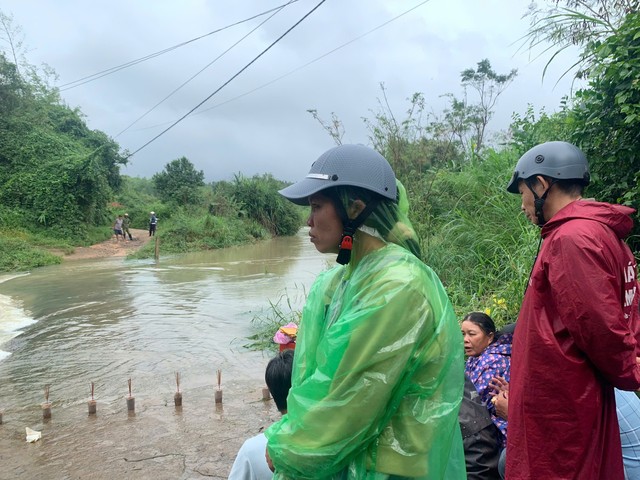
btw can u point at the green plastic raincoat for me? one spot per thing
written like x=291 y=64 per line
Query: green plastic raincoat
x=377 y=378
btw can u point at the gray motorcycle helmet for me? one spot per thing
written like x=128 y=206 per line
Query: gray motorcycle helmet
x=559 y=160
x=349 y=165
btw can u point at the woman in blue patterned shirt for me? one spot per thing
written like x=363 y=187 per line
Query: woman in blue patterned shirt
x=488 y=355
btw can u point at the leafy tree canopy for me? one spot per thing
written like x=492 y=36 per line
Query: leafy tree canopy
x=258 y=197
x=468 y=121
x=607 y=115
x=179 y=182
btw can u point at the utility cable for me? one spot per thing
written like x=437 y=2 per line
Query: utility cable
x=108 y=71
x=291 y=72
x=230 y=80
x=204 y=68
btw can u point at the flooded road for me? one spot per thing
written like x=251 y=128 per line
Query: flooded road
x=107 y=321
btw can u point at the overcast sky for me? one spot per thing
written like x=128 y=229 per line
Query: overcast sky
x=269 y=129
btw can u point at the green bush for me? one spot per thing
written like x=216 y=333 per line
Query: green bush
x=607 y=119
x=528 y=130
x=259 y=199
x=18 y=254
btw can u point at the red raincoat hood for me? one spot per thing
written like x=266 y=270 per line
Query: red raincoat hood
x=617 y=217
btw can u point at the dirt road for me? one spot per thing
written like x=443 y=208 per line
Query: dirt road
x=111 y=247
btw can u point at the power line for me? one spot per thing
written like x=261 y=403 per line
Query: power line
x=204 y=68
x=108 y=71
x=231 y=79
x=291 y=72
x=297 y=69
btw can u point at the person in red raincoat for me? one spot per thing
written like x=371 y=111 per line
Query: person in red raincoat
x=578 y=328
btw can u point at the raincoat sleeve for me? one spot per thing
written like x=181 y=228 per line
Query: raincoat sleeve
x=338 y=409
x=586 y=289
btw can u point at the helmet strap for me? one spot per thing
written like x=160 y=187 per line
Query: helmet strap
x=346 y=245
x=349 y=226
x=538 y=202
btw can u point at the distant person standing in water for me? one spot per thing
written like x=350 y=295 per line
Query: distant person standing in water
x=153 y=222
x=126 y=222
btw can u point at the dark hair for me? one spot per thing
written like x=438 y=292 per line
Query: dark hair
x=482 y=320
x=278 y=377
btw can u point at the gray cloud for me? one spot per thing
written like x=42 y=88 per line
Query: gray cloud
x=269 y=130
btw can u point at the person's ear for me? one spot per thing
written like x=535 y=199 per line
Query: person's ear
x=543 y=182
x=355 y=208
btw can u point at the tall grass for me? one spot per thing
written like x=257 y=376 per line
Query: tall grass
x=287 y=308
x=260 y=201
x=475 y=237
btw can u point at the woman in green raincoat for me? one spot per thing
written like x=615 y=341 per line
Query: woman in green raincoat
x=378 y=369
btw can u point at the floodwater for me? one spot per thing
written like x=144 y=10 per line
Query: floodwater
x=108 y=321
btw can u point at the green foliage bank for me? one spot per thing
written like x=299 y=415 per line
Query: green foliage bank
x=55 y=173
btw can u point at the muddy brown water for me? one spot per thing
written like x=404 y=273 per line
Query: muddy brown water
x=108 y=320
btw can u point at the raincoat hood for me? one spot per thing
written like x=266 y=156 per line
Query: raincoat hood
x=616 y=217
x=502 y=346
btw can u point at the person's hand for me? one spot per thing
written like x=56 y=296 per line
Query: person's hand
x=501 y=402
x=497 y=385
x=269 y=462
